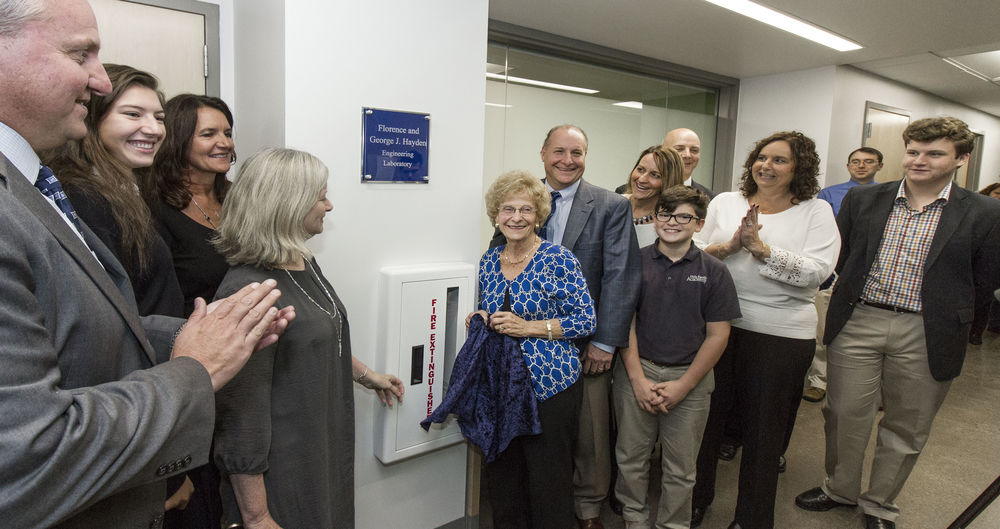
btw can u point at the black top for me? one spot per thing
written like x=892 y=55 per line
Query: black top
x=199 y=267
x=676 y=301
x=156 y=290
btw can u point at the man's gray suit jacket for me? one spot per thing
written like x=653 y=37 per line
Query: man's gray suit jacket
x=89 y=428
x=963 y=262
x=599 y=232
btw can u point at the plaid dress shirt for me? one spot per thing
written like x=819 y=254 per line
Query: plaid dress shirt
x=897 y=274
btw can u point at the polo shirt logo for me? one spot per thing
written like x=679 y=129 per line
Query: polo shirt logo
x=699 y=279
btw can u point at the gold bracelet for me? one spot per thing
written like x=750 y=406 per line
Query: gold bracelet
x=548 y=327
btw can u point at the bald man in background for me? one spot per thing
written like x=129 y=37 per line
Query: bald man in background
x=688 y=145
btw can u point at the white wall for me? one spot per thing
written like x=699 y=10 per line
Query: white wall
x=338 y=57
x=855 y=87
x=801 y=101
x=258 y=93
x=828 y=105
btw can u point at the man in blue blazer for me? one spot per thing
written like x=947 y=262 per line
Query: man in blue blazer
x=89 y=427
x=916 y=255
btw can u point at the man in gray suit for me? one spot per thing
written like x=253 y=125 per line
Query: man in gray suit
x=595 y=224
x=90 y=428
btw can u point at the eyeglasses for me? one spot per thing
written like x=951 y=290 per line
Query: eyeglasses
x=525 y=211
x=864 y=162
x=679 y=218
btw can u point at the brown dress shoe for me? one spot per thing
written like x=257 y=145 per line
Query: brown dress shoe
x=590 y=523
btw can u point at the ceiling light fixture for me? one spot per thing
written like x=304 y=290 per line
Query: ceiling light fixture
x=628 y=104
x=787 y=23
x=543 y=84
x=966 y=69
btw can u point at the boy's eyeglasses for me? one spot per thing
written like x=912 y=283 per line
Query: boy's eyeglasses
x=679 y=218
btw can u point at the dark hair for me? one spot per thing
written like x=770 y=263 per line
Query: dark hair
x=989 y=189
x=548 y=135
x=949 y=128
x=86 y=167
x=668 y=162
x=869 y=150
x=804 y=184
x=674 y=197
x=165 y=180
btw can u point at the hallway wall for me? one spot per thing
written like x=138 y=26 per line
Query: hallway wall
x=330 y=59
x=828 y=105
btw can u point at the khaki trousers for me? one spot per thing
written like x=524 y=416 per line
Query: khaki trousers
x=878 y=353
x=679 y=432
x=816 y=376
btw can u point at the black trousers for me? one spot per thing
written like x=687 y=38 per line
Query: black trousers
x=766 y=374
x=720 y=414
x=531 y=483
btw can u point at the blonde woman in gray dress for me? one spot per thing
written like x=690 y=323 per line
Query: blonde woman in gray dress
x=284 y=437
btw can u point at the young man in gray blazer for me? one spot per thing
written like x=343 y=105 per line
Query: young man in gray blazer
x=916 y=255
x=90 y=428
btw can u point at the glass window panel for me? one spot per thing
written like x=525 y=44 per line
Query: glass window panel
x=625 y=114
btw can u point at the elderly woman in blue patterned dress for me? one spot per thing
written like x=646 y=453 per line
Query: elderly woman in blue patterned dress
x=533 y=290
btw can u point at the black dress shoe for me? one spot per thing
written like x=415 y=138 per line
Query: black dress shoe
x=976 y=339
x=727 y=451
x=874 y=522
x=782 y=464
x=697 y=516
x=817 y=500
x=734 y=525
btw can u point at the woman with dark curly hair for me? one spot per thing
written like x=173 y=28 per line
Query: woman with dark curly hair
x=780 y=244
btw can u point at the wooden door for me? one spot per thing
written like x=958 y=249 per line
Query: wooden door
x=167 y=42
x=884 y=131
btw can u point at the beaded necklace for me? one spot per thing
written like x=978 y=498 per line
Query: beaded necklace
x=326 y=292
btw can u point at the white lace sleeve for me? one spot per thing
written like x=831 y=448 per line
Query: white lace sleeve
x=786 y=267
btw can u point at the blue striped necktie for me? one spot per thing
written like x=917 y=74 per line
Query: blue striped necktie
x=49 y=186
x=547 y=230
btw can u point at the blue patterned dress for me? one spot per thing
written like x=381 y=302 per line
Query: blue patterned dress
x=551 y=286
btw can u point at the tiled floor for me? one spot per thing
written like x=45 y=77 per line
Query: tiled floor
x=961 y=458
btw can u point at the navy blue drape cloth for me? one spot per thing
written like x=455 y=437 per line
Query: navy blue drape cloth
x=490 y=392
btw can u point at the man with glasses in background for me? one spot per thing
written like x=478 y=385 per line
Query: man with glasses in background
x=862 y=164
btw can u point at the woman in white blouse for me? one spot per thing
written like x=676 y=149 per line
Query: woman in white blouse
x=779 y=243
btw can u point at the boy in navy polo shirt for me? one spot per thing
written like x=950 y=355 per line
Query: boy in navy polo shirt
x=663 y=383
